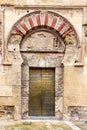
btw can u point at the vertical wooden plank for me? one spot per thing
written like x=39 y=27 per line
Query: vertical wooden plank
x=48 y=92
x=35 y=92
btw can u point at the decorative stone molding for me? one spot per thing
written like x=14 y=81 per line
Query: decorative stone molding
x=49 y=21
x=15 y=39
x=85 y=29
x=70 y=56
x=46 y=19
x=78 y=112
x=6 y=112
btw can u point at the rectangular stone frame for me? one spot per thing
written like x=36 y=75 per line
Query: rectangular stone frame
x=58 y=94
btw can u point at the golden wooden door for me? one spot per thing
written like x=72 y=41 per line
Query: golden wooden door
x=42 y=92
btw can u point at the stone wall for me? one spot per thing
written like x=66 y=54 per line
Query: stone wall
x=44 y=2
x=74 y=81
x=75 y=90
x=0 y=28
x=78 y=113
x=7 y=112
x=0 y=34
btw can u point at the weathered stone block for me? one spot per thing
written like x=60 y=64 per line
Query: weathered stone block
x=6 y=90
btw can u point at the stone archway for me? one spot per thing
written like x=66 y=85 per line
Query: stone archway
x=43 y=52
x=64 y=36
x=47 y=19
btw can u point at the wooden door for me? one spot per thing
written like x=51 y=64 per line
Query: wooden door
x=42 y=92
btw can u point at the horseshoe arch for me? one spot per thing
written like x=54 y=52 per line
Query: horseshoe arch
x=47 y=20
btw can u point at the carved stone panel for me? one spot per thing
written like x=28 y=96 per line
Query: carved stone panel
x=43 y=41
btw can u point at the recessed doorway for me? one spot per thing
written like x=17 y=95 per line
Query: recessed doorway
x=42 y=92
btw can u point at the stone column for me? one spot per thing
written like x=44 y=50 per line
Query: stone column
x=25 y=90
x=16 y=84
x=85 y=34
x=16 y=60
x=59 y=92
x=68 y=83
x=5 y=60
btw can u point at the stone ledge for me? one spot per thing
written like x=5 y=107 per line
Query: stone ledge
x=6 y=63
x=78 y=64
x=43 y=6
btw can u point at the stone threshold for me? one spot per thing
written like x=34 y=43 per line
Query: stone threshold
x=40 y=118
